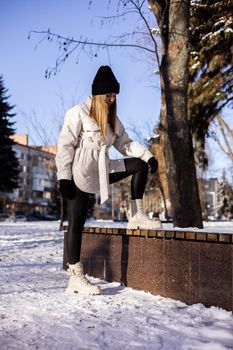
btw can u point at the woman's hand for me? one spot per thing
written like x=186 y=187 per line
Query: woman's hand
x=153 y=164
x=67 y=189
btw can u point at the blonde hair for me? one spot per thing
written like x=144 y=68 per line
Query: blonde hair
x=102 y=114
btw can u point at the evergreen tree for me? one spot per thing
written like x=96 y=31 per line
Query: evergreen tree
x=9 y=166
x=211 y=70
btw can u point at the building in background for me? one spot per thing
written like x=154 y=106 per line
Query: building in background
x=37 y=179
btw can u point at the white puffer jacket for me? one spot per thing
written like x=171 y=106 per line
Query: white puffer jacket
x=82 y=153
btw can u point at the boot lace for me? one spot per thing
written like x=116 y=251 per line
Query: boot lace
x=84 y=279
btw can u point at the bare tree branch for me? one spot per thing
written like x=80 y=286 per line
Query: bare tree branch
x=139 y=8
x=36 y=127
x=226 y=135
x=138 y=134
x=69 y=45
x=225 y=125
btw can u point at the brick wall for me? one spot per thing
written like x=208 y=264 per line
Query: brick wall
x=194 y=267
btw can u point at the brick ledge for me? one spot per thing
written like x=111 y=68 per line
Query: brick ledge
x=195 y=236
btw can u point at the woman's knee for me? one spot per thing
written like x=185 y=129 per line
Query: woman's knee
x=134 y=165
x=144 y=165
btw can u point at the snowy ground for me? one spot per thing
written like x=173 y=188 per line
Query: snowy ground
x=36 y=313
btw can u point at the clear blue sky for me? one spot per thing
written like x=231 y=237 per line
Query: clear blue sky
x=23 y=66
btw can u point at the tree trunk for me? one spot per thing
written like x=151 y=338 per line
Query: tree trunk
x=173 y=20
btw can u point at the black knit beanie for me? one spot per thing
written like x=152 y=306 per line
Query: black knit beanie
x=105 y=82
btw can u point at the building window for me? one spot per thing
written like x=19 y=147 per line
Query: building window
x=47 y=195
x=18 y=153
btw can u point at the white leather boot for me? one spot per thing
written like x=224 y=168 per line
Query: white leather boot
x=78 y=283
x=139 y=220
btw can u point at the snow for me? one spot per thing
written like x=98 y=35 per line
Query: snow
x=195 y=65
x=229 y=30
x=37 y=313
x=209 y=226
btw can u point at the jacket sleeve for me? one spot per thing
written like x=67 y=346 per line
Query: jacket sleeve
x=128 y=147
x=67 y=142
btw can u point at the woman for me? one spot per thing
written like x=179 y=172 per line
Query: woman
x=84 y=167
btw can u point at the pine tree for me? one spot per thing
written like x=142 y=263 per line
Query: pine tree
x=9 y=166
x=211 y=70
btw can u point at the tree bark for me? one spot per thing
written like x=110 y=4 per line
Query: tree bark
x=173 y=19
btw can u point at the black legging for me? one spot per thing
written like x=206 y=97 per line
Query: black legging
x=77 y=207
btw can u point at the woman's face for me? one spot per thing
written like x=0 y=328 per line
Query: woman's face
x=110 y=99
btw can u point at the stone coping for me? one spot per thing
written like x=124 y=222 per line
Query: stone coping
x=183 y=235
